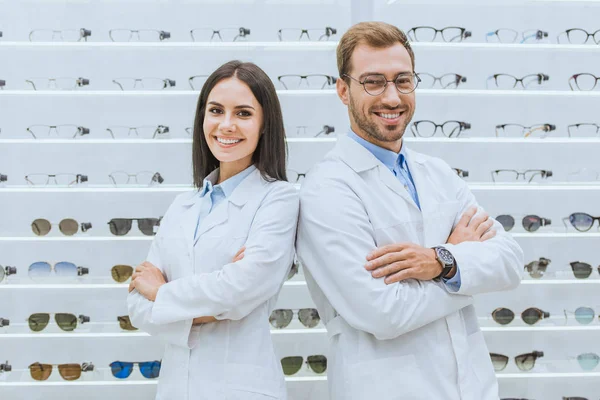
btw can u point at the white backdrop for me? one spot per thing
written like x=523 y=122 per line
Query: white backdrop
x=101 y=104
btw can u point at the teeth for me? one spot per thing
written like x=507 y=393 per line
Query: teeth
x=390 y=116
x=227 y=141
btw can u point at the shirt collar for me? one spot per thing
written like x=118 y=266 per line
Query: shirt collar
x=387 y=157
x=228 y=185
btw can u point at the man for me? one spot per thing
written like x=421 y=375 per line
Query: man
x=394 y=246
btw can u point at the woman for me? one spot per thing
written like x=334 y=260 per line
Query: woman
x=224 y=250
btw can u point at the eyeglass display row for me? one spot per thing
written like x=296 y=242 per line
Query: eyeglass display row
x=583 y=81
x=72 y=372
x=451 y=34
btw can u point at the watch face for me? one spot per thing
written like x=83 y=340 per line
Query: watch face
x=445 y=256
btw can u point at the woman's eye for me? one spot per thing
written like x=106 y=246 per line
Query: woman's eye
x=214 y=111
x=245 y=114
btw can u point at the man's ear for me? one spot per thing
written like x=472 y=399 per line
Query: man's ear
x=343 y=90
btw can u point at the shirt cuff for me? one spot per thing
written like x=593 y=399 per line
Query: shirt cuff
x=453 y=284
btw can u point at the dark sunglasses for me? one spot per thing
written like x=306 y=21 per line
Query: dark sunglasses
x=121 y=226
x=537 y=269
x=291 y=365
x=4 y=322
x=309 y=317
x=125 y=323
x=69 y=372
x=525 y=362
x=582 y=270
x=531 y=223
x=65 y=321
x=68 y=226
x=122 y=369
x=583 y=222
x=532 y=315
x=120 y=273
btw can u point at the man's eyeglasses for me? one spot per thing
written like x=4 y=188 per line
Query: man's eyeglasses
x=144 y=83
x=62 y=131
x=512 y=175
x=139 y=35
x=376 y=84
x=446 y=81
x=219 y=35
x=449 y=129
x=506 y=81
x=429 y=34
x=578 y=36
x=585 y=82
x=297 y=34
x=511 y=36
x=516 y=130
x=57 y=83
x=66 y=35
x=313 y=81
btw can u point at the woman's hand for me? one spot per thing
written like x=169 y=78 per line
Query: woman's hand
x=147 y=279
x=205 y=320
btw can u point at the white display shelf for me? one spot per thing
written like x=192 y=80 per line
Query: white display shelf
x=120 y=286
x=307 y=92
x=295 y=46
x=75 y=238
x=561 y=235
x=550 y=375
x=145 y=141
x=277 y=332
x=573 y=328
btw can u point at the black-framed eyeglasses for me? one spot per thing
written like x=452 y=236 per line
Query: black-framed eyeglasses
x=504 y=35
x=446 y=81
x=66 y=35
x=531 y=223
x=62 y=131
x=312 y=81
x=579 y=36
x=57 y=179
x=122 y=226
x=297 y=34
x=57 y=83
x=144 y=83
x=219 y=35
x=138 y=132
x=138 y=35
x=376 y=84
x=512 y=175
x=197 y=81
x=537 y=268
x=295 y=176
x=584 y=81
x=525 y=362
x=429 y=34
x=517 y=130
x=463 y=173
x=309 y=130
x=426 y=128
x=506 y=81
x=586 y=129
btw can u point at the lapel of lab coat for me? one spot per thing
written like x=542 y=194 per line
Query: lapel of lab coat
x=219 y=215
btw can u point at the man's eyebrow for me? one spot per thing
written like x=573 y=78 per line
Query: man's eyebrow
x=365 y=74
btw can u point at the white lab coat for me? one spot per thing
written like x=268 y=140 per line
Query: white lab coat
x=412 y=339
x=234 y=357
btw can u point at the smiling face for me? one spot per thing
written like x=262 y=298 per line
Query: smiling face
x=380 y=119
x=232 y=123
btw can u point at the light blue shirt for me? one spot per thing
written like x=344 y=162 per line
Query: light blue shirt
x=212 y=195
x=397 y=164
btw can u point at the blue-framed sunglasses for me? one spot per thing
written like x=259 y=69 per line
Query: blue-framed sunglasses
x=122 y=369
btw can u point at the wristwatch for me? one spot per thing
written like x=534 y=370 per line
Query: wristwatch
x=446 y=259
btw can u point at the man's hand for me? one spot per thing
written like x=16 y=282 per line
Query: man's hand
x=402 y=261
x=205 y=320
x=471 y=228
x=147 y=279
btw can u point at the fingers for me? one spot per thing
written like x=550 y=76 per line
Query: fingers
x=482 y=228
x=478 y=220
x=399 y=276
x=390 y=269
x=466 y=217
x=488 y=235
x=131 y=286
x=239 y=255
x=135 y=275
x=385 y=260
x=380 y=251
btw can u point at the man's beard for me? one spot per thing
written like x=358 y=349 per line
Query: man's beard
x=393 y=133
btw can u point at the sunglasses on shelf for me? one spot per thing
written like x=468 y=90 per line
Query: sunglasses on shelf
x=122 y=226
x=531 y=223
x=530 y=316
x=582 y=270
x=120 y=273
x=68 y=226
x=291 y=365
x=4 y=322
x=69 y=372
x=537 y=269
x=65 y=321
x=281 y=318
x=587 y=361
x=525 y=362
x=583 y=222
x=7 y=271
x=125 y=323
x=122 y=369
x=583 y=315
x=63 y=269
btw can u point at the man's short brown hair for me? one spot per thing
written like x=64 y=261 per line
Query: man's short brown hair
x=374 y=34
